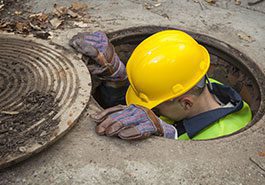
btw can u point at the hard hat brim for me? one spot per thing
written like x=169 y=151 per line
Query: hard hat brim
x=132 y=98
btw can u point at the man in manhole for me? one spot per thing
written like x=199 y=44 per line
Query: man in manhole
x=169 y=93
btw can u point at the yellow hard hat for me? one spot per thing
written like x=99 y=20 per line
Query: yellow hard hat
x=164 y=66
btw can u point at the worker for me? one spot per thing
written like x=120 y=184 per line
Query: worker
x=169 y=93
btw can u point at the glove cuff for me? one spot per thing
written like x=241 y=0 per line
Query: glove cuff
x=117 y=72
x=120 y=71
x=169 y=130
x=114 y=67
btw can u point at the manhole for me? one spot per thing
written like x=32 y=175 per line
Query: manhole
x=43 y=91
x=228 y=65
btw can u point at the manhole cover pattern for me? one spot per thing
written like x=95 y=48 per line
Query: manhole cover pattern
x=43 y=90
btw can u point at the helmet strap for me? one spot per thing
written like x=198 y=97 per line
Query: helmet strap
x=209 y=84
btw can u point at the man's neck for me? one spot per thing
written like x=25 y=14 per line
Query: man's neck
x=204 y=103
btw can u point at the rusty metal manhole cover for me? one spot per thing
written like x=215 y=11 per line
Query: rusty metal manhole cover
x=43 y=91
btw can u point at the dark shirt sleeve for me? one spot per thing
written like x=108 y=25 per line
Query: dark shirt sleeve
x=109 y=96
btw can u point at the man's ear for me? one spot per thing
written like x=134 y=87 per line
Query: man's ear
x=186 y=102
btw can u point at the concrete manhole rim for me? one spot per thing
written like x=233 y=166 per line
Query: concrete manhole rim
x=70 y=113
x=245 y=61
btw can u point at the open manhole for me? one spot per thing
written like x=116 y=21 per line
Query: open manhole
x=43 y=91
x=228 y=65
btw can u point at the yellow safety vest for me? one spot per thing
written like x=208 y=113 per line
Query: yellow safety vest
x=224 y=126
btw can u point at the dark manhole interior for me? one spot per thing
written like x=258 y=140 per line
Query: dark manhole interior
x=228 y=65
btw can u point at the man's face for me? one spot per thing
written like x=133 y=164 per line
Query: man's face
x=172 y=109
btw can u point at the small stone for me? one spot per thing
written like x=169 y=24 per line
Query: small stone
x=245 y=37
x=157 y=4
x=43 y=133
x=165 y=15
x=237 y=2
x=34 y=174
x=22 y=149
x=18 y=13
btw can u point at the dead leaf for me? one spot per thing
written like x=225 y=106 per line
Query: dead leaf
x=148 y=6
x=76 y=6
x=35 y=27
x=55 y=22
x=245 y=37
x=39 y=21
x=22 y=27
x=39 y=16
x=35 y=15
x=43 y=17
x=72 y=14
x=81 y=24
x=60 y=10
x=211 y=1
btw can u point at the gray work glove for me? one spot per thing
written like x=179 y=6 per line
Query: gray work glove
x=99 y=55
x=132 y=122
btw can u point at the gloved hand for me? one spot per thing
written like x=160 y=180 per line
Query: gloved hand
x=132 y=122
x=96 y=46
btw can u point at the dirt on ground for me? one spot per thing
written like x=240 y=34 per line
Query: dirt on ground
x=33 y=124
x=9 y=7
x=12 y=11
x=18 y=18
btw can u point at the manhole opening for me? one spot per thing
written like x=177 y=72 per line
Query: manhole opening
x=228 y=65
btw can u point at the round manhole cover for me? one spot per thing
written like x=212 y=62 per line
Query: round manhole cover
x=43 y=91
